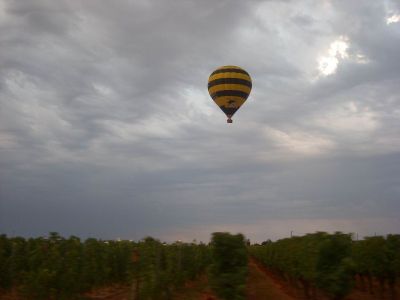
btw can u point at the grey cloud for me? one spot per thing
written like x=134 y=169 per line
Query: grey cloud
x=106 y=127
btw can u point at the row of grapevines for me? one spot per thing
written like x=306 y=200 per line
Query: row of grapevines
x=228 y=270
x=64 y=268
x=377 y=259
x=311 y=261
x=160 y=268
x=329 y=262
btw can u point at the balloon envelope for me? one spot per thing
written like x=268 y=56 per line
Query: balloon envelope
x=229 y=87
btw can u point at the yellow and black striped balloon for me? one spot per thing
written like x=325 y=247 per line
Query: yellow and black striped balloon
x=229 y=87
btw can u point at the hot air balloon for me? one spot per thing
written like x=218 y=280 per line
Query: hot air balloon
x=229 y=87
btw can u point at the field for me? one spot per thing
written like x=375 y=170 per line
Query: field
x=316 y=266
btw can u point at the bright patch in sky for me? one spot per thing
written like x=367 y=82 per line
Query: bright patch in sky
x=349 y=118
x=197 y=102
x=299 y=142
x=361 y=59
x=393 y=19
x=102 y=89
x=327 y=65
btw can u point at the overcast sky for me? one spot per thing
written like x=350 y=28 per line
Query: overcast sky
x=107 y=129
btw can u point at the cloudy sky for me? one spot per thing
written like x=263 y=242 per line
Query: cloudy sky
x=107 y=128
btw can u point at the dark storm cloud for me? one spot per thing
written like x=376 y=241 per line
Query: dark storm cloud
x=106 y=127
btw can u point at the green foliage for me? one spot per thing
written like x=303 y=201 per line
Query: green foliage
x=60 y=268
x=5 y=253
x=314 y=260
x=161 y=268
x=329 y=261
x=64 y=268
x=378 y=257
x=333 y=269
x=393 y=255
x=228 y=270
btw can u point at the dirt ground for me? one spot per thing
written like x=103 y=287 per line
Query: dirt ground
x=261 y=286
x=116 y=292
x=196 y=290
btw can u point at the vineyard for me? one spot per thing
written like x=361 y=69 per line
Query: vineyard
x=318 y=265
x=59 y=268
x=334 y=264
